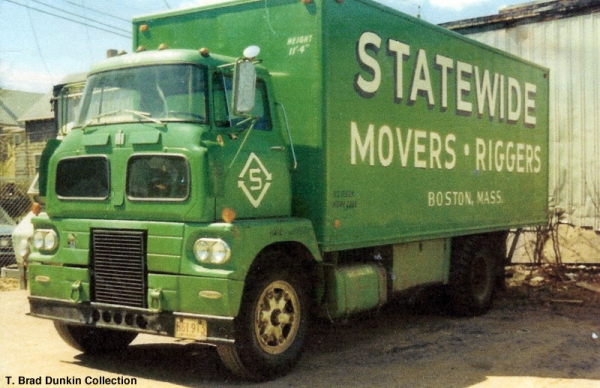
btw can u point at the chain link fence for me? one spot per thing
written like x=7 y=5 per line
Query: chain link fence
x=14 y=205
x=13 y=197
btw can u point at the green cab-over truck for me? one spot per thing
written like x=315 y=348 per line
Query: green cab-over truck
x=256 y=163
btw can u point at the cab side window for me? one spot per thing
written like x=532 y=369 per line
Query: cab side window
x=220 y=102
x=223 y=94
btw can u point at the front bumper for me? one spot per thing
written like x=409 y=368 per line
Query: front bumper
x=219 y=330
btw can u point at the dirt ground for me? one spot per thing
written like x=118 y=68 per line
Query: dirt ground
x=543 y=332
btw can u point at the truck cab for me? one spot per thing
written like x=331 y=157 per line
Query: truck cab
x=142 y=194
x=157 y=109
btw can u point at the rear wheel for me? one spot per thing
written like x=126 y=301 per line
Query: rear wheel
x=92 y=339
x=474 y=268
x=270 y=329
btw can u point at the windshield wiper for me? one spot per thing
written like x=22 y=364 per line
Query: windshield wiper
x=143 y=115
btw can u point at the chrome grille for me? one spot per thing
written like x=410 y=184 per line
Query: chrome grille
x=118 y=260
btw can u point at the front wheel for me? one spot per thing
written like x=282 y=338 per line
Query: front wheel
x=94 y=340
x=270 y=330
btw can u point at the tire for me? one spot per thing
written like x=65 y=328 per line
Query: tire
x=473 y=274
x=94 y=340
x=270 y=330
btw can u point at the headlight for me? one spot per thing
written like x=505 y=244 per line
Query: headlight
x=50 y=241
x=202 y=251
x=38 y=240
x=45 y=240
x=212 y=250
x=220 y=252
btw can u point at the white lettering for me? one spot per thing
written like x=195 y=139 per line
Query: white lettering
x=451 y=163
x=485 y=92
x=385 y=160
x=514 y=157
x=480 y=154
x=463 y=87
x=510 y=157
x=363 y=148
x=499 y=156
x=404 y=149
x=400 y=51
x=421 y=80
x=514 y=100
x=255 y=177
x=536 y=158
x=417 y=148
x=497 y=95
x=425 y=149
x=368 y=88
x=530 y=93
x=435 y=150
x=420 y=149
x=449 y=198
x=520 y=157
x=445 y=64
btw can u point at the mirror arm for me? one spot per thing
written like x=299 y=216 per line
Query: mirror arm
x=243 y=143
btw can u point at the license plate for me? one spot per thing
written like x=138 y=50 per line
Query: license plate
x=190 y=328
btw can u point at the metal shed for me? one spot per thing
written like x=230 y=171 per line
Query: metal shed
x=563 y=35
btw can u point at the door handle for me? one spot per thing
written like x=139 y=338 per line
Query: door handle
x=277 y=148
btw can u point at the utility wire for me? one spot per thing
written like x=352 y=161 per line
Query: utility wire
x=37 y=43
x=87 y=35
x=78 y=15
x=69 y=19
x=97 y=11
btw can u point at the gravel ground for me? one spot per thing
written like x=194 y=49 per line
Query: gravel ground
x=542 y=332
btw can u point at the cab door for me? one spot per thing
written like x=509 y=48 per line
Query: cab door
x=255 y=174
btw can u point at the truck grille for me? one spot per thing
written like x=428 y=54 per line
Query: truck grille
x=118 y=260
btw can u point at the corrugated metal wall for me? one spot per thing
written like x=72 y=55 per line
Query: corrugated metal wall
x=570 y=47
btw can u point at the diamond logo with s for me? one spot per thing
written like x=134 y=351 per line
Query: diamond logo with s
x=254 y=180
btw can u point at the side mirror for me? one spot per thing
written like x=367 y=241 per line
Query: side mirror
x=244 y=82
x=244 y=87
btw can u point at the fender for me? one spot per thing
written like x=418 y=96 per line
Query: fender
x=247 y=239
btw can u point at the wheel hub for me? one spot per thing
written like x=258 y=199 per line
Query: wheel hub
x=277 y=315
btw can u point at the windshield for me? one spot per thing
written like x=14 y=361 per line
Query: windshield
x=165 y=92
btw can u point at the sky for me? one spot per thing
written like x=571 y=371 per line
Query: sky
x=41 y=41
